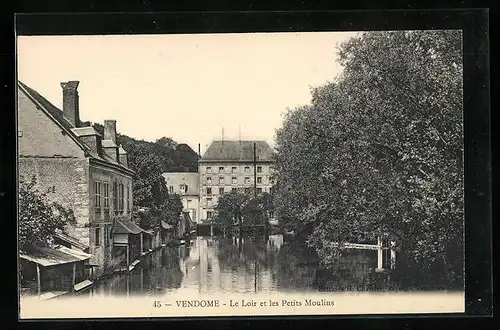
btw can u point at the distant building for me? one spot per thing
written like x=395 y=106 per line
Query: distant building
x=186 y=185
x=78 y=168
x=229 y=166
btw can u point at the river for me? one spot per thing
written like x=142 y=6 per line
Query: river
x=246 y=265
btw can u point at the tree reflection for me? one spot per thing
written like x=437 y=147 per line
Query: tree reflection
x=353 y=270
x=294 y=271
x=245 y=253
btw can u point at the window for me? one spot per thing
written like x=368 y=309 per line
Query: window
x=183 y=188
x=259 y=179
x=221 y=169
x=209 y=169
x=209 y=191
x=259 y=169
x=233 y=169
x=270 y=190
x=209 y=214
x=106 y=236
x=234 y=190
x=115 y=197
x=97 y=195
x=209 y=202
x=125 y=198
x=247 y=169
x=259 y=190
x=234 y=180
x=209 y=180
x=121 y=200
x=221 y=180
x=221 y=191
x=171 y=189
x=247 y=180
x=97 y=236
x=105 y=186
x=129 y=199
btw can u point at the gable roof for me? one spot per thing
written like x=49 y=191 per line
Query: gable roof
x=125 y=226
x=238 y=151
x=57 y=116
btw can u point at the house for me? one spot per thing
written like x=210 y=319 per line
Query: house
x=54 y=270
x=128 y=241
x=77 y=167
x=229 y=166
x=167 y=233
x=186 y=185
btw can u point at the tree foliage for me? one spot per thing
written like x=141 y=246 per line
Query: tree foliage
x=379 y=151
x=243 y=208
x=39 y=219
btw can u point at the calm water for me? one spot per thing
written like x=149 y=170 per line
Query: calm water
x=211 y=264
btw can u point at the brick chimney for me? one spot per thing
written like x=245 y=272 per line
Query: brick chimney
x=110 y=130
x=109 y=141
x=71 y=110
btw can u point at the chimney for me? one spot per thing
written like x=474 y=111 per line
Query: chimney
x=123 y=156
x=71 y=110
x=110 y=130
x=109 y=140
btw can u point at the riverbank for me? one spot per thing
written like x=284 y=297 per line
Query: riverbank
x=120 y=270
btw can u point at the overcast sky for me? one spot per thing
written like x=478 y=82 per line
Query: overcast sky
x=187 y=87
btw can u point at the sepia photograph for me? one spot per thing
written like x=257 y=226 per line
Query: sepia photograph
x=240 y=174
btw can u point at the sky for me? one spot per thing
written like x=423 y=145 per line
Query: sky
x=193 y=88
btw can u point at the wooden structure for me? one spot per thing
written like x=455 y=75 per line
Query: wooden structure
x=386 y=252
x=166 y=233
x=129 y=237
x=59 y=270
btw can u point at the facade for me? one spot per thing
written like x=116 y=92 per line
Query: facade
x=77 y=167
x=186 y=185
x=230 y=166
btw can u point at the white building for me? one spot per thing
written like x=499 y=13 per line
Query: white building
x=186 y=185
x=230 y=166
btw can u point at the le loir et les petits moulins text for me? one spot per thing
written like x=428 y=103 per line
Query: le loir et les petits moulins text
x=244 y=303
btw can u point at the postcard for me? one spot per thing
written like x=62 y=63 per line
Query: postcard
x=240 y=174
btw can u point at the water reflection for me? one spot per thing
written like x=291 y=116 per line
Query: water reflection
x=243 y=265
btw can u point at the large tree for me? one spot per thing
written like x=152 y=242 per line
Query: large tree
x=379 y=151
x=150 y=190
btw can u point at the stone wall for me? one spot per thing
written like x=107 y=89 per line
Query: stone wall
x=64 y=180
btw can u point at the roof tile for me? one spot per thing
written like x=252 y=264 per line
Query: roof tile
x=238 y=151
